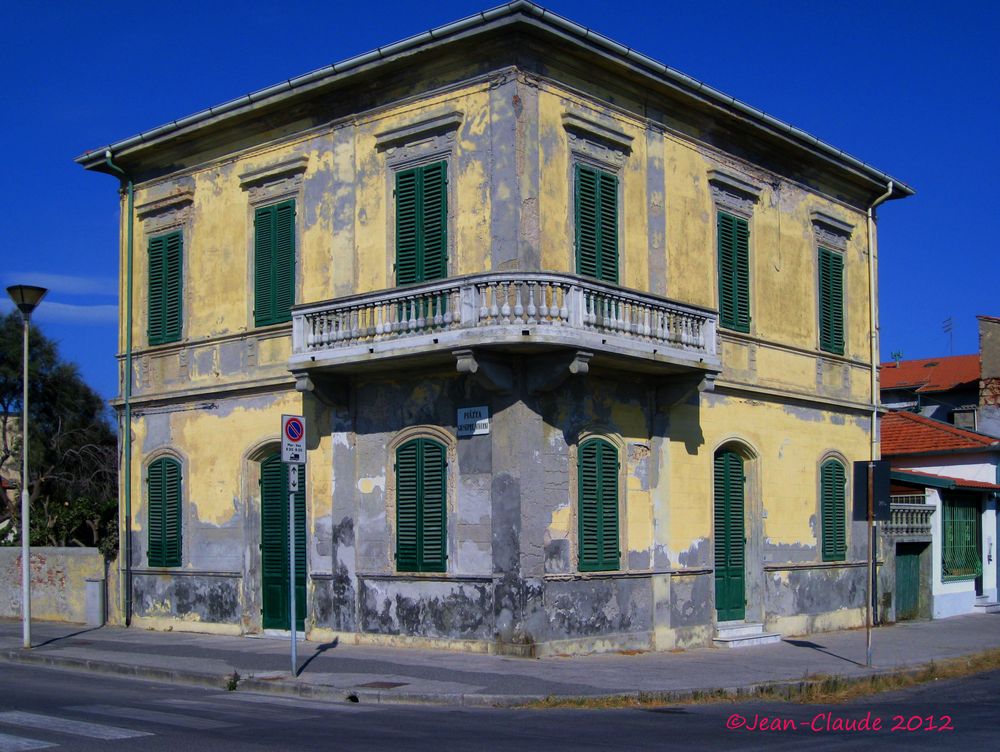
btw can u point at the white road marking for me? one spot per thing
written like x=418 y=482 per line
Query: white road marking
x=67 y=726
x=289 y=702
x=228 y=708
x=19 y=744
x=154 y=716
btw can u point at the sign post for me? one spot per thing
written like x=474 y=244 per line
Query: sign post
x=293 y=454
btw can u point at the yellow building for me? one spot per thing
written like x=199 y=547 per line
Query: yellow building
x=584 y=349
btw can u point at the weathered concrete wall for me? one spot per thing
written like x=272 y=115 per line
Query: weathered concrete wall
x=58 y=582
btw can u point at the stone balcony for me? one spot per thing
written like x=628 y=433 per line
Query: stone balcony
x=909 y=518
x=471 y=319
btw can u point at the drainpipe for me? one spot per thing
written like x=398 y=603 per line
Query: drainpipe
x=873 y=317
x=126 y=185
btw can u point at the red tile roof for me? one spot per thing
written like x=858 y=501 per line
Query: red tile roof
x=908 y=433
x=930 y=374
x=953 y=482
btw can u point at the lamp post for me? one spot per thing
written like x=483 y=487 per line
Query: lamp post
x=26 y=298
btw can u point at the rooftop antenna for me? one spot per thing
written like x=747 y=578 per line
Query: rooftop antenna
x=897 y=356
x=947 y=326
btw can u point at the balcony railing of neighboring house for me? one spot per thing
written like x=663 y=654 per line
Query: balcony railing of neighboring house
x=505 y=309
x=909 y=517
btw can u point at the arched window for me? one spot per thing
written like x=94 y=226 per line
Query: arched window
x=421 y=506
x=598 y=541
x=833 y=510
x=164 y=513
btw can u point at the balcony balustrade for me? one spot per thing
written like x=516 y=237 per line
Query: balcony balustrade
x=909 y=517
x=505 y=310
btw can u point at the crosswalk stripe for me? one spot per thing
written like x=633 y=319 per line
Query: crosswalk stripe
x=67 y=726
x=228 y=708
x=154 y=716
x=10 y=743
x=292 y=703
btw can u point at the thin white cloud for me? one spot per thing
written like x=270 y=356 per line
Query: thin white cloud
x=65 y=284
x=67 y=313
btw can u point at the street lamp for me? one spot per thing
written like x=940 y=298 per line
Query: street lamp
x=26 y=298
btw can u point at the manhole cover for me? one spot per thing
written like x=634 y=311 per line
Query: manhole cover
x=382 y=685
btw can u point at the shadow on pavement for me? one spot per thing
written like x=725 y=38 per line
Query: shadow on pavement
x=820 y=649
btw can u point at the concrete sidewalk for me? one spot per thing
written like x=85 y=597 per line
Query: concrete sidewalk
x=374 y=674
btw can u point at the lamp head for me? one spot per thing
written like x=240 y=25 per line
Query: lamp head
x=26 y=297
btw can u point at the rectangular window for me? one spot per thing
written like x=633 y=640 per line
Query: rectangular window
x=421 y=507
x=960 y=548
x=833 y=510
x=164 y=513
x=598 y=506
x=165 y=274
x=734 y=272
x=274 y=263
x=422 y=224
x=596 y=224
x=831 y=302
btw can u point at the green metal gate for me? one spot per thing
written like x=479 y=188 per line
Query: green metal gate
x=907 y=582
x=730 y=538
x=274 y=545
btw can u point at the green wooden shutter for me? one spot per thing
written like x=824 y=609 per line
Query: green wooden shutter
x=407 y=507
x=274 y=544
x=434 y=221
x=598 y=536
x=422 y=224
x=734 y=272
x=164 y=513
x=596 y=224
x=156 y=296
x=274 y=263
x=172 y=283
x=831 y=301
x=433 y=507
x=730 y=540
x=284 y=261
x=421 y=507
x=833 y=510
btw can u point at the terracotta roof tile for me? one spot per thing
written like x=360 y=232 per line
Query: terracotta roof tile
x=930 y=374
x=908 y=433
x=959 y=482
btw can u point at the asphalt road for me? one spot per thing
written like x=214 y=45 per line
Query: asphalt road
x=49 y=709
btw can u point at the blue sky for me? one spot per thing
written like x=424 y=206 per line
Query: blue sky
x=909 y=87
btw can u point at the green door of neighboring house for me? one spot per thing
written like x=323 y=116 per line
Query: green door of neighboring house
x=730 y=538
x=274 y=545
x=907 y=582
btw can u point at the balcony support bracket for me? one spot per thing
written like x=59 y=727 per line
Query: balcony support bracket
x=330 y=392
x=681 y=388
x=489 y=373
x=547 y=373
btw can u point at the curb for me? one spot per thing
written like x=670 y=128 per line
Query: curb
x=786 y=689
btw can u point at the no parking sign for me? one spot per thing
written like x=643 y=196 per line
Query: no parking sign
x=293 y=439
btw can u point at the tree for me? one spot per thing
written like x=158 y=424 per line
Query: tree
x=73 y=483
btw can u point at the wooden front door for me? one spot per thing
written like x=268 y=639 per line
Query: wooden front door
x=907 y=581
x=274 y=545
x=730 y=537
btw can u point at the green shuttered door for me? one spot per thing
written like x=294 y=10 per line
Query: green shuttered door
x=274 y=544
x=422 y=224
x=421 y=507
x=598 y=506
x=833 y=510
x=164 y=513
x=831 y=301
x=596 y=224
x=165 y=282
x=274 y=263
x=730 y=541
x=734 y=272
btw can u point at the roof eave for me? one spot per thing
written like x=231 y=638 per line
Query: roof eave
x=478 y=23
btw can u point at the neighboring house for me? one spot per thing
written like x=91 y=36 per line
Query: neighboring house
x=959 y=389
x=945 y=484
x=532 y=293
x=944 y=388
